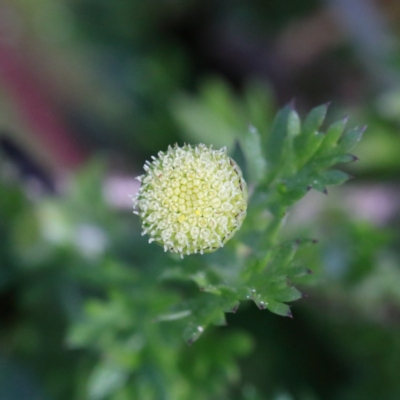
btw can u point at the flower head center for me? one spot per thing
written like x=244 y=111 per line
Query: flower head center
x=192 y=199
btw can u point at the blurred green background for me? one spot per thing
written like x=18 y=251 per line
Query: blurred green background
x=90 y=89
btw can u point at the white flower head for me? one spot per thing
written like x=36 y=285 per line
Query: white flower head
x=192 y=199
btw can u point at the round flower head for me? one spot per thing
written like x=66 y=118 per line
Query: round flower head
x=192 y=199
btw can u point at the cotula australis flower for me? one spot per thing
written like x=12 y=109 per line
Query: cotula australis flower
x=192 y=199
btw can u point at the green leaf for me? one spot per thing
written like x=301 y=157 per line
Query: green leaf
x=207 y=309
x=219 y=319
x=287 y=164
x=283 y=255
x=219 y=96
x=200 y=122
x=351 y=138
x=307 y=147
x=105 y=380
x=294 y=123
x=300 y=271
x=259 y=301
x=333 y=134
x=329 y=158
x=307 y=143
x=277 y=136
x=315 y=119
x=334 y=177
x=192 y=332
x=263 y=246
x=319 y=186
x=251 y=147
x=258 y=106
x=346 y=158
x=288 y=294
x=279 y=308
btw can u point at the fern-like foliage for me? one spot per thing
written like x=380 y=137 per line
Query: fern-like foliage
x=281 y=166
x=138 y=304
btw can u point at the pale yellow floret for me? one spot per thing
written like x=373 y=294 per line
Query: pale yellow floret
x=192 y=199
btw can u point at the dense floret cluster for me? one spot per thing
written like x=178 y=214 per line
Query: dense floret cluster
x=192 y=199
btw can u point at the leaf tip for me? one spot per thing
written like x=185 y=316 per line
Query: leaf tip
x=235 y=308
x=251 y=128
x=261 y=305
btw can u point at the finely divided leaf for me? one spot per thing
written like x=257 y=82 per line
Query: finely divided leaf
x=298 y=157
x=308 y=142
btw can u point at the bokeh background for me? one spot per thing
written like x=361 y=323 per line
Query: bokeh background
x=90 y=89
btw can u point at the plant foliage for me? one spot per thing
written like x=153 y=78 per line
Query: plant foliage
x=127 y=304
x=282 y=164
